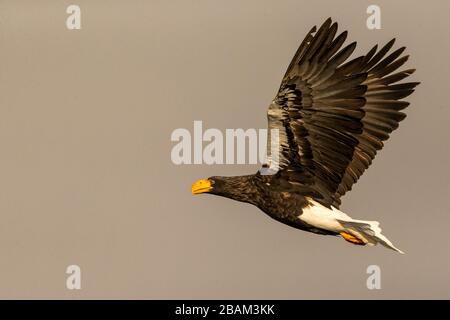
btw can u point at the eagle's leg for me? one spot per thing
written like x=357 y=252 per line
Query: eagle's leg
x=350 y=238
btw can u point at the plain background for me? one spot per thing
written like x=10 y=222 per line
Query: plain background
x=86 y=176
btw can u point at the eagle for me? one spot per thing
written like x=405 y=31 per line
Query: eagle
x=332 y=115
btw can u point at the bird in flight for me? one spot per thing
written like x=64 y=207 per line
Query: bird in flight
x=332 y=116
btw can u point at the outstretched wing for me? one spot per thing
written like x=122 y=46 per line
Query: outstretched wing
x=332 y=117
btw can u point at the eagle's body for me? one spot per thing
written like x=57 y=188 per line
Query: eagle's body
x=332 y=117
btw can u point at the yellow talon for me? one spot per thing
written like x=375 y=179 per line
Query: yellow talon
x=350 y=238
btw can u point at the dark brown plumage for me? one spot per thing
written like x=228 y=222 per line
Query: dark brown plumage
x=332 y=116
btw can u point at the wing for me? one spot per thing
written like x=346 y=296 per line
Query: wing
x=332 y=117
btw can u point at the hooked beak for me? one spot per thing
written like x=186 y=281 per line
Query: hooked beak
x=201 y=186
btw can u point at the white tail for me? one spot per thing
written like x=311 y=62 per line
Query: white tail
x=368 y=231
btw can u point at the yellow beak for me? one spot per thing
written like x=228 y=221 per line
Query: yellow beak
x=201 y=186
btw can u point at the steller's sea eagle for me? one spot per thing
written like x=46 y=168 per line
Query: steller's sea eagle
x=332 y=117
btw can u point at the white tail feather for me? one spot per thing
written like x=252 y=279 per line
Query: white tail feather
x=369 y=232
x=337 y=221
